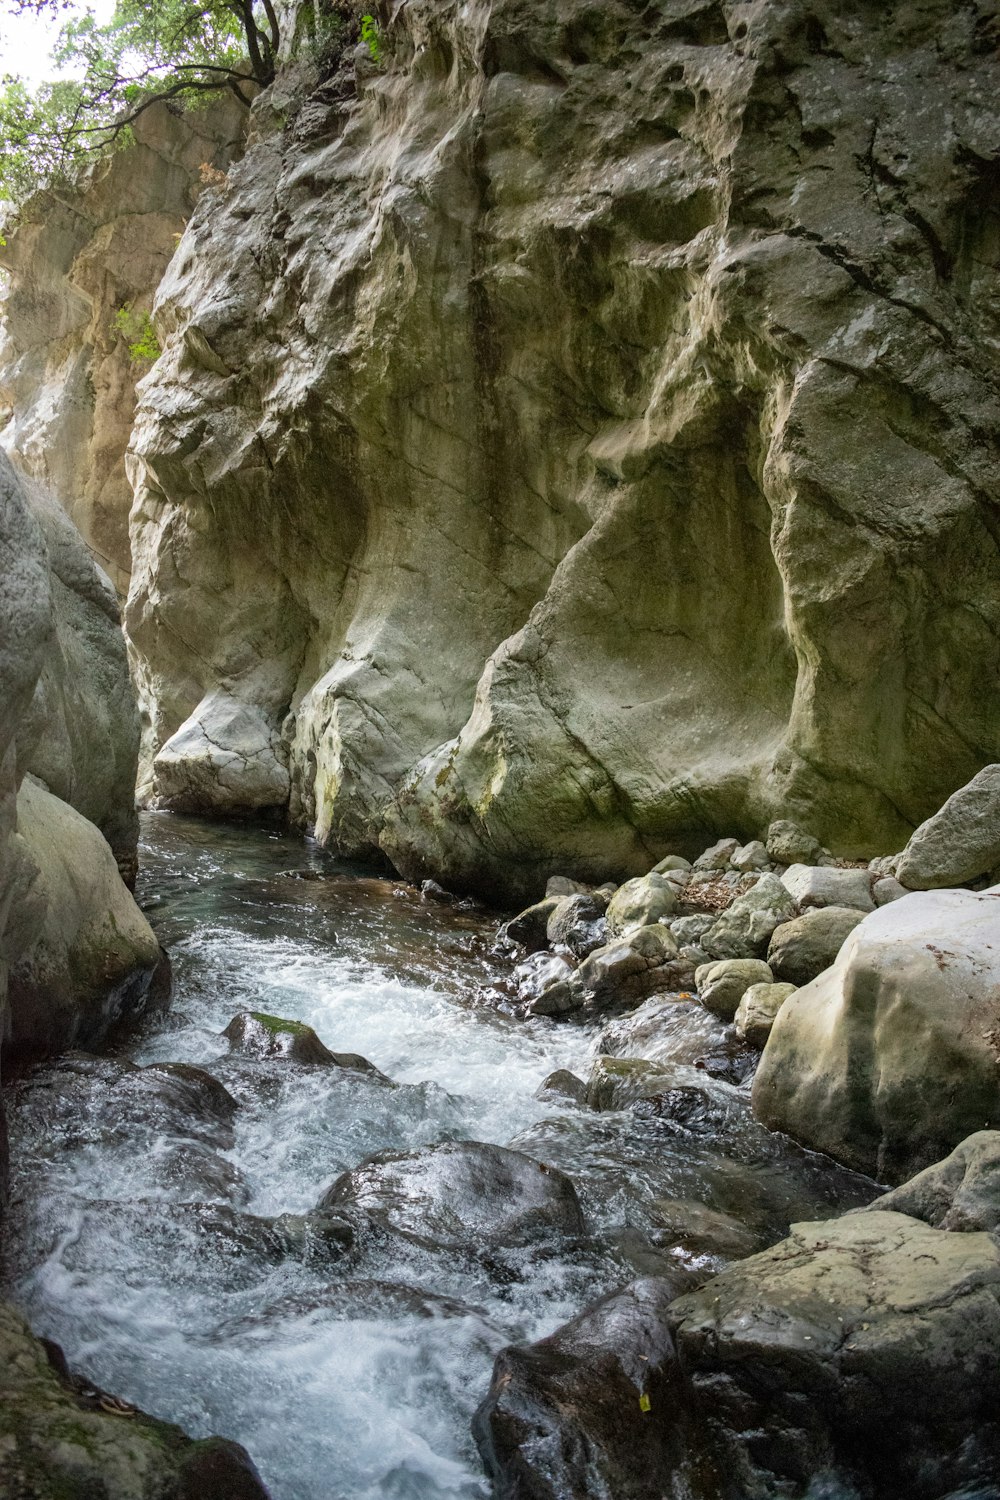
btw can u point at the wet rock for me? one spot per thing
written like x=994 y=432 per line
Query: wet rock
x=530 y=927
x=253 y=1033
x=757 y=1010
x=431 y=891
x=960 y=842
x=743 y=930
x=319 y=1238
x=820 y=885
x=617 y=1082
x=718 y=856
x=801 y=949
x=60 y=1436
x=461 y=1193
x=539 y=972
x=698 y=1231
x=890 y=1057
x=722 y=985
x=577 y=924
x=640 y=902
x=800 y=1361
x=788 y=844
x=960 y=1193
x=618 y=976
x=662 y=1030
x=562 y=1086
x=585 y=1411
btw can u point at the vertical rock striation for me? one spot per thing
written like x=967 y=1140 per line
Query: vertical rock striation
x=573 y=437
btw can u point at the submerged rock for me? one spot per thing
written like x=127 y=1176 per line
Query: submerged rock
x=62 y=1436
x=254 y=1034
x=461 y=1193
x=892 y=1056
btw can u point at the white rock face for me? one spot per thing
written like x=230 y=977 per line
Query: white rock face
x=225 y=757
x=78 y=256
x=960 y=842
x=891 y=1056
x=492 y=371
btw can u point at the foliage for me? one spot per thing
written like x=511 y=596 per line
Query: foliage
x=371 y=35
x=176 y=50
x=137 y=327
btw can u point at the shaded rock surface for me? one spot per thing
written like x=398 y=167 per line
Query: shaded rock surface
x=801 y=949
x=960 y=842
x=460 y=1193
x=889 y=1058
x=628 y=313
x=77 y=257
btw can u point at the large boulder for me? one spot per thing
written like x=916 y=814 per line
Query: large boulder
x=460 y=1194
x=962 y=1192
x=862 y=1350
x=227 y=756
x=891 y=1056
x=62 y=1436
x=743 y=929
x=805 y=946
x=87 y=955
x=649 y=898
x=825 y=885
x=583 y=1412
x=960 y=842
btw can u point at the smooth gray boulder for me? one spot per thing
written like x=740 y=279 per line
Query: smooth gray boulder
x=825 y=885
x=758 y=1009
x=788 y=844
x=226 y=756
x=804 y=947
x=960 y=1193
x=752 y=856
x=87 y=956
x=722 y=985
x=639 y=902
x=960 y=842
x=891 y=1057
x=718 y=856
x=887 y=888
x=460 y=1194
x=743 y=929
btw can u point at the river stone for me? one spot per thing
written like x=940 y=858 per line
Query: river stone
x=718 y=856
x=886 y=889
x=721 y=985
x=617 y=1082
x=539 y=972
x=700 y=1233
x=742 y=931
x=884 y=865
x=960 y=842
x=640 y=902
x=530 y=927
x=88 y=955
x=757 y=1010
x=461 y=1193
x=800 y=1360
x=890 y=1057
x=562 y=1087
x=562 y=885
x=820 y=885
x=664 y=1029
x=804 y=947
x=584 y=1411
x=671 y=864
x=62 y=1436
x=961 y=1193
x=788 y=844
x=618 y=976
x=228 y=756
x=252 y=1033
x=577 y=924
x=752 y=856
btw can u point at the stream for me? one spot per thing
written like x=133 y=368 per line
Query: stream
x=142 y=1232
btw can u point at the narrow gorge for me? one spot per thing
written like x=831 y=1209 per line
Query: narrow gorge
x=500 y=778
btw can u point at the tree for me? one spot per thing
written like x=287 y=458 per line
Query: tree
x=173 y=50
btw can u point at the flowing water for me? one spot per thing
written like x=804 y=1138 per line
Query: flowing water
x=143 y=1219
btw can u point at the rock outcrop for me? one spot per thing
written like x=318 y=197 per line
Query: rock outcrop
x=572 y=437
x=890 y=1057
x=78 y=257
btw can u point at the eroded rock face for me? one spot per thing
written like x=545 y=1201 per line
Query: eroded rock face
x=78 y=256
x=488 y=380
x=890 y=1057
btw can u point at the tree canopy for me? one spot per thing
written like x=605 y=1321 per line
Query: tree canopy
x=180 y=50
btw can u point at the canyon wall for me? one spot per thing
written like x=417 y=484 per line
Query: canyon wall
x=77 y=257
x=575 y=436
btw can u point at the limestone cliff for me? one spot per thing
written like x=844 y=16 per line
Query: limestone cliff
x=77 y=257
x=575 y=435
